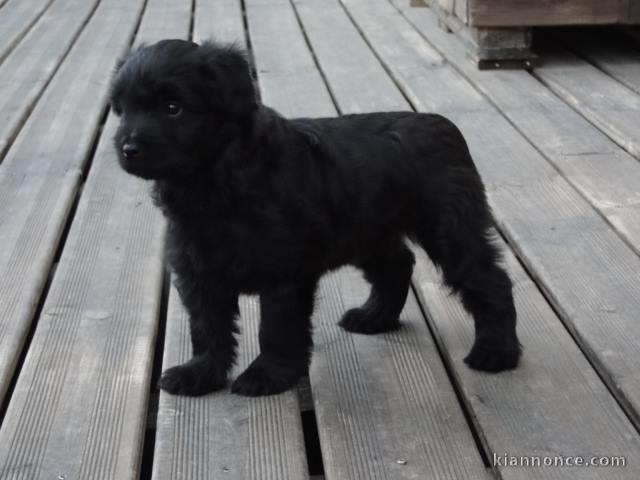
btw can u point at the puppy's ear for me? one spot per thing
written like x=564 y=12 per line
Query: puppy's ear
x=115 y=85
x=229 y=78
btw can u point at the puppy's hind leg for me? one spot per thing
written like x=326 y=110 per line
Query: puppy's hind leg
x=285 y=340
x=469 y=262
x=389 y=274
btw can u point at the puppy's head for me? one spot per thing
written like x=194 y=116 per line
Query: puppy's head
x=177 y=102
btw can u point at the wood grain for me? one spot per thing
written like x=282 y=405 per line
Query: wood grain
x=16 y=18
x=79 y=406
x=612 y=107
x=305 y=92
x=42 y=170
x=29 y=68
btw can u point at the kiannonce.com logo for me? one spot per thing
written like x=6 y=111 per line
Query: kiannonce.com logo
x=507 y=460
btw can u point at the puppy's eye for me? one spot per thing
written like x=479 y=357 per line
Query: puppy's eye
x=173 y=108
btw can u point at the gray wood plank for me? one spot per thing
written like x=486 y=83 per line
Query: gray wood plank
x=384 y=404
x=16 y=18
x=358 y=81
x=380 y=400
x=611 y=55
x=79 y=406
x=224 y=435
x=539 y=409
x=28 y=69
x=586 y=270
x=611 y=106
x=164 y=19
x=605 y=174
x=296 y=69
x=221 y=20
x=42 y=170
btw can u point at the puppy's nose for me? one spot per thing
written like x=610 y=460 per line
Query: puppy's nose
x=130 y=150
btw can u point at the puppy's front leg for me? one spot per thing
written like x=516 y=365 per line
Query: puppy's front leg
x=285 y=340
x=212 y=315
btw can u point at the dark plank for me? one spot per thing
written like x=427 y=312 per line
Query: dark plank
x=26 y=72
x=384 y=405
x=42 y=170
x=222 y=434
x=16 y=18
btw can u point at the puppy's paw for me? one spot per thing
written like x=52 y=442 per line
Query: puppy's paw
x=194 y=378
x=361 y=320
x=490 y=357
x=264 y=377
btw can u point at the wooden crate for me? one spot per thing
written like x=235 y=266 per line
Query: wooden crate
x=497 y=33
x=523 y=13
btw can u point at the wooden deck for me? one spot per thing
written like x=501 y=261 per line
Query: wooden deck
x=87 y=319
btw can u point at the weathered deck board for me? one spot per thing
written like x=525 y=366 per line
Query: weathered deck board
x=164 y=19
x=358 y=81
x=305 y=92
x=539 y=409
x=605 y=174
x=224 y=435
x=41 y=172
x=220 y=21
x=551 y=357
x=16 y=18
x=79 y=407
x=587 y=271
x=378 y=399
x=384 y=404
x=613 y=56
x=611 y=106
x=26 y=72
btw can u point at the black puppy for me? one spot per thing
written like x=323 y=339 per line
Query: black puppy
x=257 y=203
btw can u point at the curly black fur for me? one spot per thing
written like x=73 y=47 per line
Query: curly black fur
x=257 y=203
